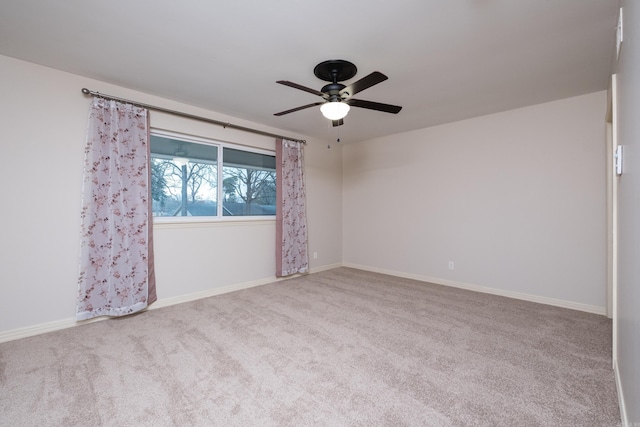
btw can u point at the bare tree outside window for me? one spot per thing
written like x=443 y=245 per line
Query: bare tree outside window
x=185 y=177
x=181 y=190
x=253 y=188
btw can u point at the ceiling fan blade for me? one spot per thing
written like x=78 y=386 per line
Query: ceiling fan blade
x=337 y=122
x=364 y=83
x=282 y=113
x=387 y=108
x=304 y=88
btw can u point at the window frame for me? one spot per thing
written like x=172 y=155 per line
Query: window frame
x=220 y=146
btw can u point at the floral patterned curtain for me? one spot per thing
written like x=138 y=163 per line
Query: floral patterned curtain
x=116 y=250
x=291 y=214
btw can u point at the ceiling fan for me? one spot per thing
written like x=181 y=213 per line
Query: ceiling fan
x=337 y=97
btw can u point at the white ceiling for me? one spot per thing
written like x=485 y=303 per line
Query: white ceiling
x=446 y=60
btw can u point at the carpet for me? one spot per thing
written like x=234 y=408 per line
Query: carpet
x=342 y=347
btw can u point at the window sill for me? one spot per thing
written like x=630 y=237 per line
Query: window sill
x=209 y=221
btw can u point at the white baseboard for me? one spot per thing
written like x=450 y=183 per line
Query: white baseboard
x=165 y=302
x=326 y=267
x=477 y=288
x=621 y=402
x=43 y=328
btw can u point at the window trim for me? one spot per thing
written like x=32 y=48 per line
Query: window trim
x=219 y=218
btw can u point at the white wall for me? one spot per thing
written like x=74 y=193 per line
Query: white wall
x=628 y=307
x=44 y=117
x=516 y=200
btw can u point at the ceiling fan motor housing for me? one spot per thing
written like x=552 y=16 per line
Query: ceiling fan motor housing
x=333 y=90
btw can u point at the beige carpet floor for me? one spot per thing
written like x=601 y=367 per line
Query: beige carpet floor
x=337 y=348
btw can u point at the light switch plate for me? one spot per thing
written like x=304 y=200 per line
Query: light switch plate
x=618 y=157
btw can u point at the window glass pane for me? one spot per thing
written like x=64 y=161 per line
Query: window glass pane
x=249 y=183
x=234 y=157
x=171 y=148
x=183 y=177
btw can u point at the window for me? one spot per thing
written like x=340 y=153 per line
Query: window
x=186 y=172
x=249 y=183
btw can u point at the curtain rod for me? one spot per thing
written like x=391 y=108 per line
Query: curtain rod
x=189 y=116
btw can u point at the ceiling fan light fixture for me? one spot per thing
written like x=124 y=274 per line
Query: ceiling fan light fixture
x=334 y=110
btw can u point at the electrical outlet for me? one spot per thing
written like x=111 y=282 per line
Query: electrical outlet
x=315 y=255
x=451 y=265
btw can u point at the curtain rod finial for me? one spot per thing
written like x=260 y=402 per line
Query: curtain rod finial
x=86 y=91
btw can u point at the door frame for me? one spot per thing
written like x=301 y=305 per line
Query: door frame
x=611 y=137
